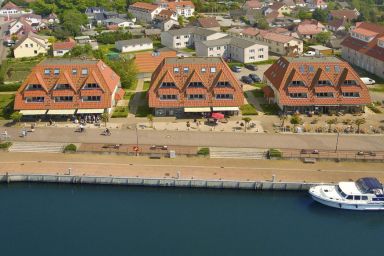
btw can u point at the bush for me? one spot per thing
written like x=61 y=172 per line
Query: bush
x=5 y=145
x=70 y=148
x=9 y=87
x=203 y=152
x=274 y=153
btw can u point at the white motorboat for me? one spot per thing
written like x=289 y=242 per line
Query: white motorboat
x=364 y=194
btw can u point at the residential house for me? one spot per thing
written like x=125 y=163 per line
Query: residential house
x=325 y=84
x=208 y=23
x=233 y=48
x=300 y=3
x=194 y=86
x=279 y=7
x=31 y=45
x=182 y=8
x=134 y=45
x=144 y=12
x=10 y=9
x=68 y=86
x=187 y=37
x=61 y=48
x=117 y=23
x=335 y=25
x=165 y=25
x=317 y=4
x=166 y=14
x=53 y=18
x=253 y=5
x=290 y=3
x=344 y=14
x=277 y=43
x=33 y=19
x=152 y=32
x=364 y=47
x=307 y=29
x=97 y=16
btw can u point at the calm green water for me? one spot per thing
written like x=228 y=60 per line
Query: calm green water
x=47 y=219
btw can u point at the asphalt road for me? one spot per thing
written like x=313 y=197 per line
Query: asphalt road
x=216 y=139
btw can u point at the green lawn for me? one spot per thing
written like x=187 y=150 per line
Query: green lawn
x=16 y=70
x=377 y=88
x=248 y=110
x=143 y=111
x=270 y=109
x=157 y=44
x=108 y=48
x=188 y=50
x=129 y=95
x=120 y=112
x=258 y=93
x=6 y=105
x=146 y=85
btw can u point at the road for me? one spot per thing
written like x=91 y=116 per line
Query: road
x=192 y=138
x=3 y=49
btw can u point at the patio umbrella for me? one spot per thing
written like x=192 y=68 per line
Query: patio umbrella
x=217 y=115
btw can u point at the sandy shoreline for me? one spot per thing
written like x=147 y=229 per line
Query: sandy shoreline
x=196 y=168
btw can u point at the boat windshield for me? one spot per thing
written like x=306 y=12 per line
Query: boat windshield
x=341 y=192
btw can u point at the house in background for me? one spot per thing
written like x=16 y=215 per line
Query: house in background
x=52 y=18
x=68 y=86
x=307 y=29
x=325 y=84
x=278 y=7
x=134 y=45
x=194 y=86
x=208 y=23
x=182 y=8
x=344 y=14
x=314 y=4
x=117 y=23
x=31 y=45
x=364 y=47
x=337 y=25
x=144 y=12
x=10 y=9
x=253 y=5
x=61 y=48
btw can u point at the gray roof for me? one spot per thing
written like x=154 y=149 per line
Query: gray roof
x=232 y=40
x=144 y=40
x=204 y=32
x=218 y=42
x=193 y=60
x=190 y=30
x=68 y=61
x=313 y=59
x=242 y=43
x=116 y=20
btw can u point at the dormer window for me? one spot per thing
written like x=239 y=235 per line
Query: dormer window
x=223 y=84
x=176 y=70
x=196 y=85
x=56 y=71
x=297 y=83
x=311 y=69
x=84 y=72
x=324 y=82
x=74 y=71
x=337 y=69
x=349 y=82
x=186 y=70
x=31 y=87
x=91 y=86
x=167 y=85
x=47 y=71
x=62 y=86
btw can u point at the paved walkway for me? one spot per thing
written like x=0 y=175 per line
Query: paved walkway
x=135 y=102
x=189 y=168
x=127 y=135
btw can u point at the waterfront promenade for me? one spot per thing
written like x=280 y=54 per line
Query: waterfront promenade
x=185 y=168
x=214 y=139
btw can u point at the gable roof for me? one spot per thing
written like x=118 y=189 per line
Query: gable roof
x=144 y=40
x=144 y=6
x=147 y=62
x=344 y=13
x=10 y=6
x=208 y=22
x=68 y=45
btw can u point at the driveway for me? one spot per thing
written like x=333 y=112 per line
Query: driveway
x=260 y=71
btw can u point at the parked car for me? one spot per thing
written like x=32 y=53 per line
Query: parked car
x=251 y=67
x=366 y=153
x=309 y=151
x=246 y=79
x=309 y=53
x=255 y=78
x=367 y=80
x=236 y=69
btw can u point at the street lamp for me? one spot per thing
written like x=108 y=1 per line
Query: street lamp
x=137 y=142
x=337 y=141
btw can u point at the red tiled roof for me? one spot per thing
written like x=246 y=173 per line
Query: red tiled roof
x=310 y=71
x=98 y=73
x=253 y=4
x=10 y=6
x=310 y=27
x=147 y=62
x=208 y=22
x=144 y=6
x=180 y=4
x=68 y=45
x=268 y=35
x=120 y=94
x=165 y=73
x=344 y=13
x=368 y=48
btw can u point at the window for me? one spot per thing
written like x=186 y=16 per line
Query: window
x=167 y=85
x=64 y=99
x=196 y=85
x=84 y=71
x=223 y=84
x=176 y=70
x=56 y=71
x=252 y=58
x=311 y=69
x=298 y=95
x=251 y=50
x=211 y=49
x=327 y=69
x=34 y=87
x=74 y=71
x=261 y=56
x=324 y=95
x=349 y=82
x=62 y=86
x=350 y=197
x=186 y=69
x=91 y=86
x=168 y=97
x=186 y=36
x=34 y=99
x=351 y=94
x=364 y=198
x=203 y=70
x=261 y=50
x=224 y=96
x=297 y=83
x=178 y=37
x=91 y=98
x=213 y=70
x=302 y=69
x=47 y=71
x=196 y=96
x=357 y=197
x=337 y=69
x=324 y=82
x=218 y=47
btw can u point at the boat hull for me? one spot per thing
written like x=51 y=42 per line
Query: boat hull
x=345 y=206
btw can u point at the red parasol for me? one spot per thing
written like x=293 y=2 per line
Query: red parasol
x=217 y=115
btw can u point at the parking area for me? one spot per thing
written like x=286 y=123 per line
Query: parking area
x=245 y=72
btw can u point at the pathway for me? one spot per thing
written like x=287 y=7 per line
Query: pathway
x=135 y=102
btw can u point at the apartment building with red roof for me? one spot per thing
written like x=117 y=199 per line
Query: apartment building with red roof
x=194 y=85
x=320 y=84
x=63 y=86
x=364 y=47
x=144 y=11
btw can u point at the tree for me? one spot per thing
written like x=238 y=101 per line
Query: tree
x=72 y=20
x=359 y=122
x=127 y=71
x=150 y=119
x=330 y=122
x=180 y=19
x=295 y=120
x=80 y=50
x=105 y=118
x=16 y=116
x=304 y=14
x=323 y=37
x=260 y=20
x=43 y=8
x=320 y=15
x=246 y=122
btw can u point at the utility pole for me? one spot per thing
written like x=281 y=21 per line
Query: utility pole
x=337 y=141
x=137 y=142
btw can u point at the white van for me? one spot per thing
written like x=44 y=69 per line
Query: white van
x=367 y=80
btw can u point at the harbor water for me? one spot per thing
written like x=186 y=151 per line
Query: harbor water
x=63 y=219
